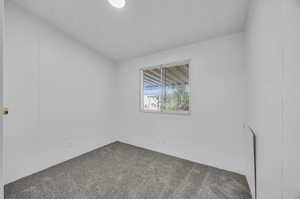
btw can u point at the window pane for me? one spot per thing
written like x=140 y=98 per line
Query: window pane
x=152 y=89
x=176 y=89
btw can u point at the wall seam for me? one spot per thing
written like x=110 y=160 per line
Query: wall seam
x=283 y=100
x=39 y=79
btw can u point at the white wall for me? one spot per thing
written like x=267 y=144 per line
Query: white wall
x=1 y=95
x=291 y=74
x=213 y=134
x=264 y=54
x=273 y=47
x=264 y=59
x=59 y=95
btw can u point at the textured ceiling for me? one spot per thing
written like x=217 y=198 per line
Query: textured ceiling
x=143 y=26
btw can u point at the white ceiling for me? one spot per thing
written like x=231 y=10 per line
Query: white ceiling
x=143 y=26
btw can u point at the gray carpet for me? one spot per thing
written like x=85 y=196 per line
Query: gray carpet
x=121 y=171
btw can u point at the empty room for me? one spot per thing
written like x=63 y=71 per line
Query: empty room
x=150 y=99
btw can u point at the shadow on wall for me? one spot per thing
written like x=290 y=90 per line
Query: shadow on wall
x=251 y=161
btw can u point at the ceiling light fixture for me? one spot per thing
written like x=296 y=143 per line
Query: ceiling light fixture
x=117 y=3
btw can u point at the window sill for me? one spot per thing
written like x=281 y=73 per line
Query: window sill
x=187 y=113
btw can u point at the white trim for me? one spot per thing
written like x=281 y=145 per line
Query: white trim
x=168 y=112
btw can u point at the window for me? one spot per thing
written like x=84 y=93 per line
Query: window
x=166 y=88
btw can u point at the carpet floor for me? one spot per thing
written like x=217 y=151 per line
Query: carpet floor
x=122 y=171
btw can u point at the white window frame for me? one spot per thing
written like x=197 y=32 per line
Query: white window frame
x=161 y=66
